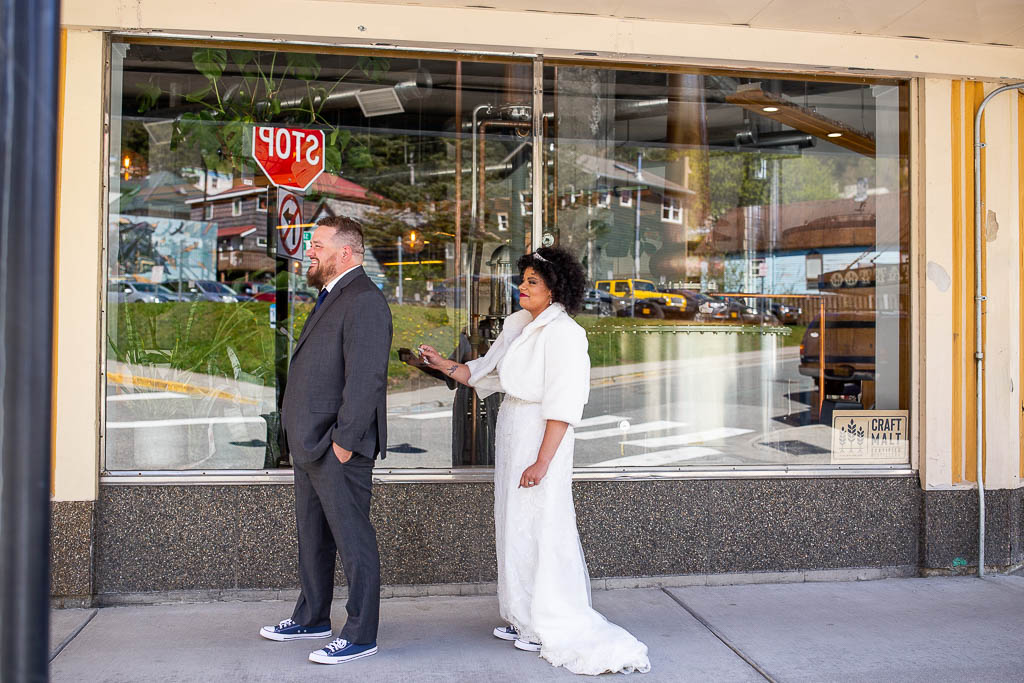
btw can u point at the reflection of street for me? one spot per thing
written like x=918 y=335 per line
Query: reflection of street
x=165 y=419
x=708 y=411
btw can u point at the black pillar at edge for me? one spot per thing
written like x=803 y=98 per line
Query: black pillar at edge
x=28 y=149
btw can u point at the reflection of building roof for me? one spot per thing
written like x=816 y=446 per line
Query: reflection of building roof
x=332 y=185
x=236 y=231
x=626 y=174
x=237 y=191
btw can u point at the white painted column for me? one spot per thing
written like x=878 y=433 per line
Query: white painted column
x=934 y=156
x=1000 y=213
x=79 y=285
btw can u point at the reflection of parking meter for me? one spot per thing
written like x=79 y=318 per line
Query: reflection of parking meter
x=500 y=308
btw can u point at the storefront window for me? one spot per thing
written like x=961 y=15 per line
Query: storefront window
x=730 y=226
x=758 y=220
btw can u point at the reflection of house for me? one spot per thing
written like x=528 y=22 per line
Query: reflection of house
x=244 y=224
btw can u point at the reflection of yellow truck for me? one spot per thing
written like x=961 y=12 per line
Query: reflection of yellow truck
x=642 y=298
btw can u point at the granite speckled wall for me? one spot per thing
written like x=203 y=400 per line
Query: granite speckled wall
x=71 y=546
x=950 y=538
x=166 y=538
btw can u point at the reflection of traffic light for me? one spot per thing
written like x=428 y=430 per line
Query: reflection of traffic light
x=412 y=241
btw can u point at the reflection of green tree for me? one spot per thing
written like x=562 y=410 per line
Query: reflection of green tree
x=252 y=92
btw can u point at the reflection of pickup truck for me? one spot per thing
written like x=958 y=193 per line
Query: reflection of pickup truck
x=642 y=298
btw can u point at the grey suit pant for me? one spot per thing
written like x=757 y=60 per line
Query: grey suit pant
x=332 y=509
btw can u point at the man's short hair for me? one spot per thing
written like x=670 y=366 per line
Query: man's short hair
x=347 y=230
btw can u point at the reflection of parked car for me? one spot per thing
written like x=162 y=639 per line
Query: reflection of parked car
x=629 y=294
x=204 y=290
x=789 y=315
x=700 y=306
x=124 y=291
x=597 y=302
x=737 y=310
x=296 y=297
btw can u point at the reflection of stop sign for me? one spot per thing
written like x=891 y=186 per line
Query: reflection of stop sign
x=290 y=157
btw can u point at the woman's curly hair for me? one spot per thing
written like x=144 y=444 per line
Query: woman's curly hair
x=561 y=272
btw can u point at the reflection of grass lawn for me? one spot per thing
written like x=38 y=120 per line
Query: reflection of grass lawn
x=229 y=339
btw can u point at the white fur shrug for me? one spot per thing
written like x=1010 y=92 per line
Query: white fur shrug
x=541 y=361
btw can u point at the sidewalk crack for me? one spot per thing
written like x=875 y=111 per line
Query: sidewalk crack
x=725 y=641
x=57 y=650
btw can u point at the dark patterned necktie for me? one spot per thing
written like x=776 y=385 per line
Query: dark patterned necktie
x=320 y=299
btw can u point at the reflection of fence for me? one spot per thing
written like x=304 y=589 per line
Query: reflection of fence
x=821 y=329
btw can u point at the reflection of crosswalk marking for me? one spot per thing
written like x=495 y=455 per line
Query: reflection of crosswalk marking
x=425 y=416
x=682 y=439
x=633 y=429
x=146 y=396
x=658 y=458
x=599 y=420
x=142 y=424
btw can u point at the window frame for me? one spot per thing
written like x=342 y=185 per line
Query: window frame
x=646 y=472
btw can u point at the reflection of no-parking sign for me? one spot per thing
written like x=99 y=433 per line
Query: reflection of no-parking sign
x=289 y=225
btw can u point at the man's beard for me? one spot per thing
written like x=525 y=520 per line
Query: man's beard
x=319 y=277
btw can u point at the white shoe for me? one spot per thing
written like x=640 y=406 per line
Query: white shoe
x=527 y=645
x=506 y=632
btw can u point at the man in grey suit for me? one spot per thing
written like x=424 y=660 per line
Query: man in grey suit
x=334 y=417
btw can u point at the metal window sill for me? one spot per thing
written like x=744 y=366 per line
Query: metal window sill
x=486 y=475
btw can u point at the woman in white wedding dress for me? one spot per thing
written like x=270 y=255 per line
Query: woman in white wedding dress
x=541 y=364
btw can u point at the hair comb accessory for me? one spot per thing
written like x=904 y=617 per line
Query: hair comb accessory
x=539 y=257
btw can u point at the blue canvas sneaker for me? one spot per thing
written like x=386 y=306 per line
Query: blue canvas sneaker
x=289 y=630
x=506 y=632
x=340 y=650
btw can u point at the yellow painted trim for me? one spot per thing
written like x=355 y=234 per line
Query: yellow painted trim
x=970 y=380
x=956 y=133
x=56 y=260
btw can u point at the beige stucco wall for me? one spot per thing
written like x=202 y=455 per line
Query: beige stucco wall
x=78 y=371
x=76 y=423
x=551 y=33
x=1002 y=339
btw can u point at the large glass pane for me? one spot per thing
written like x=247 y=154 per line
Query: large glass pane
x=731 y=226
x=431 y=156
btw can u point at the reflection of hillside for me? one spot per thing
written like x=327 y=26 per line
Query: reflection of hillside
x=818 y=224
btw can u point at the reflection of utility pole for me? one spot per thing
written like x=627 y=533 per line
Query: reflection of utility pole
x=636 y=236
x=398 y=291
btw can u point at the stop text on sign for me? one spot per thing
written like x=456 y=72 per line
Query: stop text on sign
x=291 y=158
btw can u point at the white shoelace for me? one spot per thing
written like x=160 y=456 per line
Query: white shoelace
x=335 y=645
x=286 y=623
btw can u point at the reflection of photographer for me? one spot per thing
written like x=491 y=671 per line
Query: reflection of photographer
x=473 y=419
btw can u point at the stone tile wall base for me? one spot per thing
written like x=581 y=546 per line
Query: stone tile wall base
x=71 y=553
x=949 y=540
x=177 y=540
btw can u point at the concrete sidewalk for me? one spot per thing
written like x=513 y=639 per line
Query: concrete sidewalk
x=950 y=629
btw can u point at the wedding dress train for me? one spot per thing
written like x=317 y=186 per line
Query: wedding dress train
x=543 y=583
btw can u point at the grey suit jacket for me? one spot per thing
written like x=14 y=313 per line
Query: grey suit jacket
x=337 y=379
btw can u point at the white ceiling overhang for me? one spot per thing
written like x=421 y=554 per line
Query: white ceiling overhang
x=983 y=22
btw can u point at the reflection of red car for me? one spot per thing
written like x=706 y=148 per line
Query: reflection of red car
x=302 y=297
